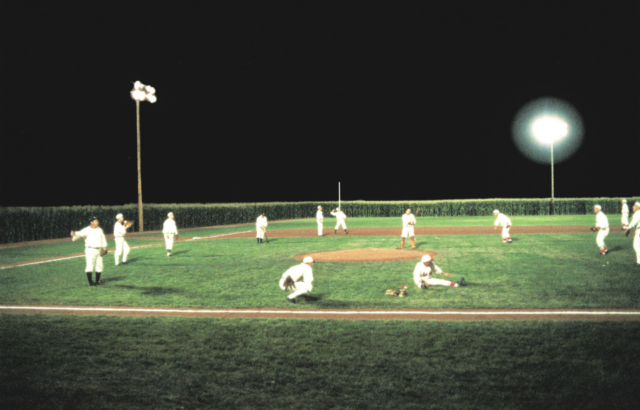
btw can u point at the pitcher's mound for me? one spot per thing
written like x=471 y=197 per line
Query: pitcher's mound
x=366 y=255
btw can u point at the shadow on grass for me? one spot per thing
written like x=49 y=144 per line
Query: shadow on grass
x=151 y=290
x=180 y=252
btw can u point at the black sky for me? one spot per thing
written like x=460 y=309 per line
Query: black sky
x=280 y=101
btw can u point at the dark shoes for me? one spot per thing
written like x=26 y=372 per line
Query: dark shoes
x=291 y=300
x=462 y=282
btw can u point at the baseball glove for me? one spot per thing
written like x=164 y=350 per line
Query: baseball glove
x=103 y=252
x=391 y=292
x=594 y=229
x=128 y=224
x=289 y=284
x=402 y=293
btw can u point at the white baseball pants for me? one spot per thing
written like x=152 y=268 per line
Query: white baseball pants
x=341 y=222
x=121 y=245
x=505 y=233
x=602 y=233
x=407 y=230
x=260 y=233
x=625 y=220
x=433 y=281
x=320 y=227
x=301 y=288
x=94 y=260
x=636 y=245
x=168 y=238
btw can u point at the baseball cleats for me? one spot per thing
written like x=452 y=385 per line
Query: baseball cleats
x=291 y=300
x=345 y=232
x=98 y=283
x=462 y=282
x=422 y=285
x=335 y=232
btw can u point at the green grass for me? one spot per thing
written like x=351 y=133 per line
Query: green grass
x=536 y=271
x=57 y=362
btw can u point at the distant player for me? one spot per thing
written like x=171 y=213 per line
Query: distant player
x=119 y=231
x=501 y=219
x=408 y=222
x=342 y=218
x=625 y=215
x=94 y=242
x=170 y=231
x=423 y=274
x=635 y=224
x=602 y=227
x=319 y=219
x=261 y=228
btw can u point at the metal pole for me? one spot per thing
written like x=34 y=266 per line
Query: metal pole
x=139 y=169
x=552 y=188
x=339 y=195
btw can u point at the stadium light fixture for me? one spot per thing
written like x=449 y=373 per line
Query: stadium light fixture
x=549 y=129
x=139 y=93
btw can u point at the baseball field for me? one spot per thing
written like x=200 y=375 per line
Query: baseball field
x=545 y=322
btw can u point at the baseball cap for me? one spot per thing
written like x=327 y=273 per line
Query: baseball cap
x=426 y=258
x=307 y=259
x=598 y=207
x=624 y=200
x=495 y=211
x=119 y=216
x=93 y=218
x=170 y=213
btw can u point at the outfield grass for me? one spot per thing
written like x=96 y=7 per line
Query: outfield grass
x=535 y=271
x=58 y=362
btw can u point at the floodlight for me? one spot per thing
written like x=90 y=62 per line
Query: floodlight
x=548 y=129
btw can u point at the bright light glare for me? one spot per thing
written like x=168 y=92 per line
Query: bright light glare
x=549 y=129
x=143 y=92
x=137 y=85
x=151 y=98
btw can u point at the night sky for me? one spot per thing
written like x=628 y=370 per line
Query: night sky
x=279 y=101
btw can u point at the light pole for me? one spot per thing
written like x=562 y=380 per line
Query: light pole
x=548 y=129
x=139 y=93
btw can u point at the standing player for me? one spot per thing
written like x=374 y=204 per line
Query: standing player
x=501 y=219
x=319 y=219
x=298 y=279
x=635 y=224
x=625 y=215
x=261 y=227
x=342 y=218
x=94 y=242
x=422 y=274
x=170 y=231
x=119 y=231
x=602 y=227
x=408 y=222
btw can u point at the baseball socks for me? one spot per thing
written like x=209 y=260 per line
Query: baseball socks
x=402 y=246
x=98 y=278
x=89 y=278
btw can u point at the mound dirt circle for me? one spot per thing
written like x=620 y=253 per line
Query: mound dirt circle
x=366 y=255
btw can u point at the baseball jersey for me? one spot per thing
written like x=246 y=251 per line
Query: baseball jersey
x=300 y=273
x=339 y=215
x=625 y=209
x=601 y=220
x=261 y=222
x=119 y=230
x=170 y=226
x=319 y=216
x=408 y=218
x=425 y=272
x=502 y=220
x=93 y=237
x=635 y=221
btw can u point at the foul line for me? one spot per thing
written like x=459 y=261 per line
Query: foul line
x=326 y=312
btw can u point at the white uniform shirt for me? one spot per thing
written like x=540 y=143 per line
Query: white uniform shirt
x=601 y=220
x=93 y=238
x=625 y=209
x=635 y=222
x=170 y=227
x=119 y=230
x=408 y=218
x=319 y=216
x=261 y=221
x=425 y=272
x=339 y=215
x=300 y=273
x=502 y=220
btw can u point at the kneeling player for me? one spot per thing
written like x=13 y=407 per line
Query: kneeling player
x=297 y=279
x=422 y=274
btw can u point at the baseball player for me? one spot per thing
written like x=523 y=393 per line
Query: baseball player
x=261 y=227
x=625 y=215
x=422 y=274
x=298 y=279
x=408 y=222
x=342 y=218
x=94 y=242
x=319 y=219
x=170 y=231
x=119 y=231
x=635 y=224
x=602 y=227
x=501 y=219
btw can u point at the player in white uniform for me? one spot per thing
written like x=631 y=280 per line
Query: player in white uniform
x=342 y=218
x=261 y=227
x=302 y=276
x=635 y=224
x=94 y=241
x=319 y=219
x=122 y=247
x=602 y=226
x=170 y=231
x=502 y=219
x=625 y=215
x=408 y=222
x=422 y=274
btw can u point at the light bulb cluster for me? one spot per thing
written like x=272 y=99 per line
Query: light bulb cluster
x=143 y=92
